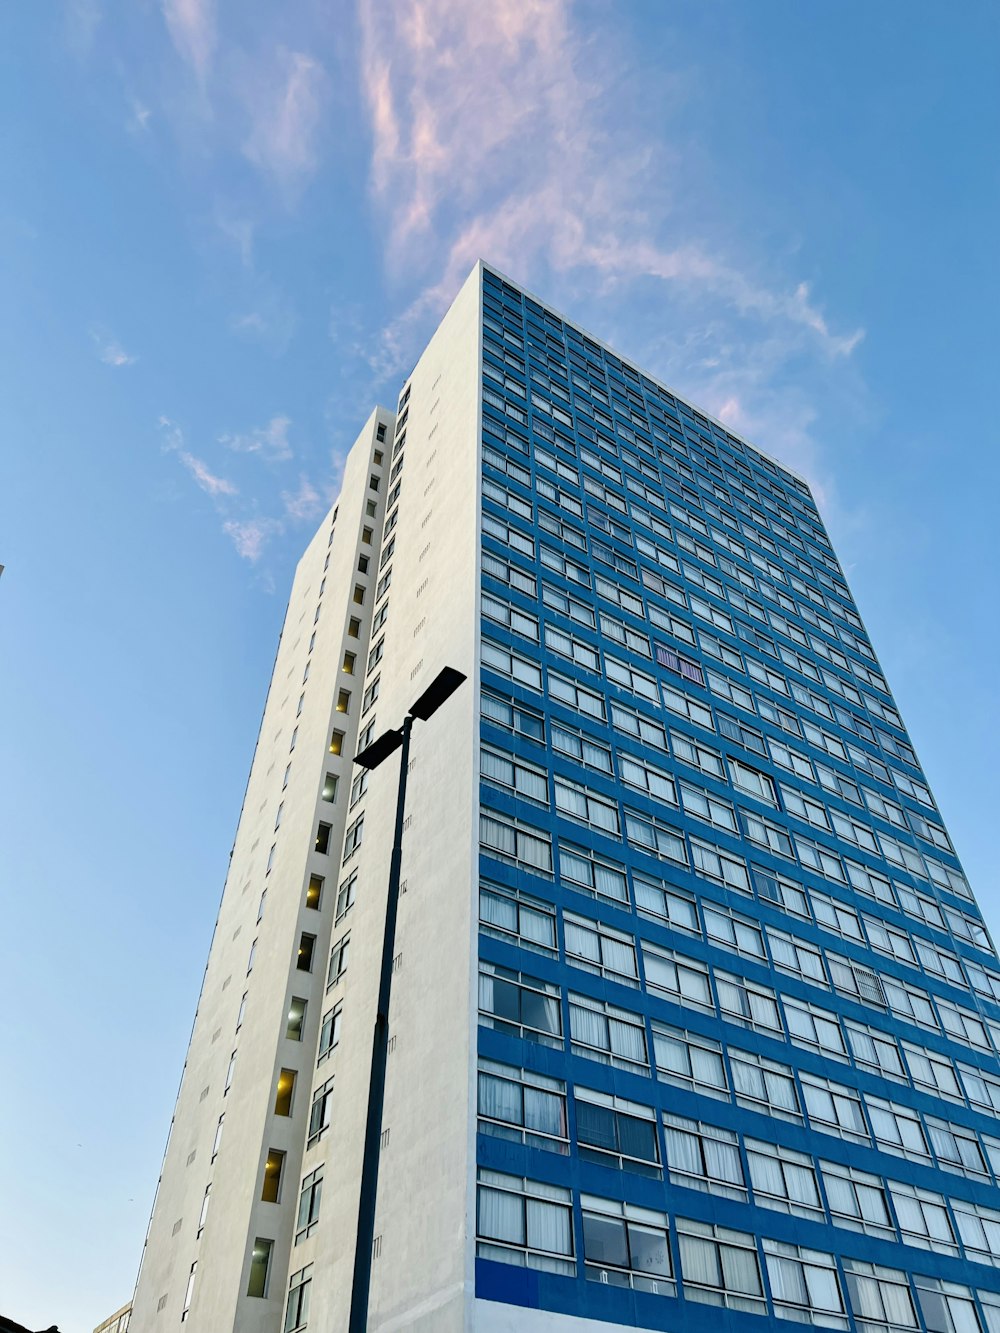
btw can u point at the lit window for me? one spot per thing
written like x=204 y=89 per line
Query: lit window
x=366 y=536
x=330 y=787
x=353 y=627
x=189 y=1291
x=260 y=1263
x=285 y=1091
x=271 y=1190
x=348 y=667
x=314 y=892
x=323 y=839
x=343 y=701
x=304 y=958
x=296 y=1019
x=336 y=742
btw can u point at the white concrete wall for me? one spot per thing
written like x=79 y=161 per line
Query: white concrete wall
x=422 y=1278
x=236 y=1215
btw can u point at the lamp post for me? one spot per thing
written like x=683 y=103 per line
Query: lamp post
x=441 y=688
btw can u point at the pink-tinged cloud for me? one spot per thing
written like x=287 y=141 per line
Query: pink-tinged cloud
x=270 y=441
x=207 y=480
x=286 y=105
x=303 y=504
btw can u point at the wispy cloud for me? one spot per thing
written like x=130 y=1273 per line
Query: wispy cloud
x=503 y=132
x=139 y=116
x=303 y=504
x=251 y=535
x=286 y=107
x=173 y=442
x=110 y=350
x=270 y=441
x=191 y=24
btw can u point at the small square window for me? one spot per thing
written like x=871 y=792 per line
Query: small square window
x=370 y=508
x=380 y=433
x=336 y=742
x=349 y=664
x=366 y=536
x=330 y=787
x=373 y=482
x=378 y=457
x=363 y=564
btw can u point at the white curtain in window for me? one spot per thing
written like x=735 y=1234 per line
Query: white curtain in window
x=497 y=911
x=740 y=1270
x=781 y=1091
x=583 y=943
x=501 y=1216
x=787 y=1280
x=898 y=1305
x=610 y=882
x=801 y=1184
x=499 y=1099
x=700 y=1261
x=683 y=1152
x=823 y=1288
x=765 y=1172
x=628 y=1041
x=619 y=957
x=707 y=1066
x=588 y=1027
x=549 y=1227
x=537 y=927
x=723 y=1161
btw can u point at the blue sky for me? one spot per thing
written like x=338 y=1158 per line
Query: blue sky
x=226 y=228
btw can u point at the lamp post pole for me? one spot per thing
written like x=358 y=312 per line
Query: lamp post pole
x=446 y=682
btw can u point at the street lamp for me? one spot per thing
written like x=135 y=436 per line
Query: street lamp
x=441 y=688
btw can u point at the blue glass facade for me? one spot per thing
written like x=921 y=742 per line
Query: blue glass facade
x=739 y=1014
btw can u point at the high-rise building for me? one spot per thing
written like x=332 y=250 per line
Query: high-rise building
x=694 y=1017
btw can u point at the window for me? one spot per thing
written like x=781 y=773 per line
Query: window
x=512 y=841
x=834 y=1108
x=509 y=914
x=329 y=1033
x=948 y=1308
x=296 y=1019
x=273 y=1166
x=753 y=782
x=512 y=716
x=714 y=863
x=371 y=694
x=514 y=775
x=348 y=667
x=521 y=1006
x=659 y=839
x=923 y=1218
x=897 y=1129
x=598 y=948
x=242 y=1010
x=284 y=1093
x=522 y=1106
x=804 y=1285
x=189 y=1291
x=304 y=957
x=320 y=1111
x=880 y=1297
x=354 y=627
x=338 y=960
x=857 y=1200
x=720 y=1266
x=524 y=1222
x=704 y=1157
x=345 y=895
x=229 y=1073
x=808 y=1025
x=336 y=742
x=309 y=1200
x=583 y=868
x=678 y=977
x=270 y=859
x=314 y=892
x=297 y=1310
x=260 y=1263
x=602 y=1031
x=218 y=1136
x=323 y=839
x=204 y=1209
x=617 y=1133
x=747 y=1003
x=689 y=1060
x=353 y=837
x=626 y=1246
x=783 y=1179
x=764 y=1085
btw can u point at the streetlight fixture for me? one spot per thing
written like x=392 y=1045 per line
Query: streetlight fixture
x=441 y=688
